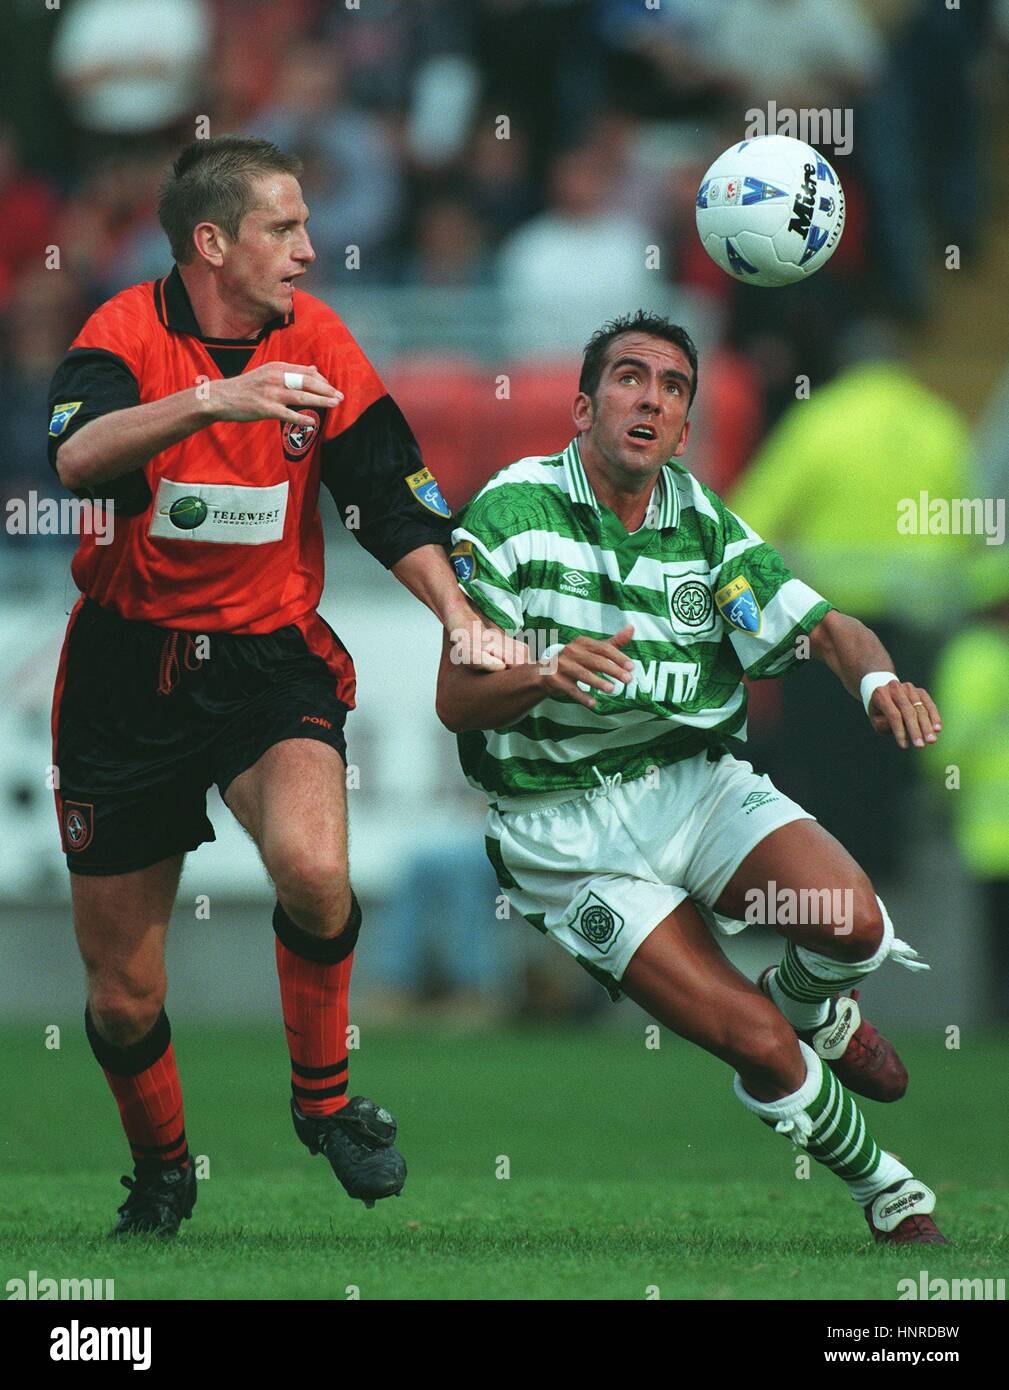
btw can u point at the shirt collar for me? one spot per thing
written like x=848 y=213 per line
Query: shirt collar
x=665 y=497
x=171 y=301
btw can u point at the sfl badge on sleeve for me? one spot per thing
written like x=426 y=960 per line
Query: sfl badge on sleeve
x=464 y=561
x=62 y=415
x=738 y=605
x=427 y=492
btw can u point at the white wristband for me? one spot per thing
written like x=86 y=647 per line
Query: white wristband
x=871 y=682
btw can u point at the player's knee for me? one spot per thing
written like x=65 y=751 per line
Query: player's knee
x=125 y=1012
x=863 y=933
x=313 y=879
x=769 y=1057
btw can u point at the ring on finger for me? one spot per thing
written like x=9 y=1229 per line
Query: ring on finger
x=294 y=381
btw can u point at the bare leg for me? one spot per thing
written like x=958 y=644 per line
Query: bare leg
x=680 y=976
x=804 y=856
x=121 y=922
x=293 y=802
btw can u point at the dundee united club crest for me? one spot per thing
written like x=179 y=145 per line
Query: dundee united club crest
x=298 y=439
x=78 y=824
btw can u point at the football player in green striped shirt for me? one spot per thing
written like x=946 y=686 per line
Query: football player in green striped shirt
x=619 y=821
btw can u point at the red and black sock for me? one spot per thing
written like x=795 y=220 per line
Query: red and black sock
x=144 y=1080
x=314 y=976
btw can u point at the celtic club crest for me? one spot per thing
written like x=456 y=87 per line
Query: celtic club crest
x=597 y=924
x=691 y=603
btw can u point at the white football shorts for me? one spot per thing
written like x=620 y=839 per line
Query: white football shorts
x=599 y=870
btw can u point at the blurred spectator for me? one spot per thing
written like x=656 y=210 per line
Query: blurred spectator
x=352 y=181
x=826 y=485
x=803 y=338
x=42 y=316
x=972 y=693
x=685 y=56
x=445 y=94
x=542 y=68
x=101 y=225
x=28 y=214
x=387 y=44
x=497 y=180
x=132 y=67
x=441 y=943
x=801 y=53
x=450 y=246
x=27 y=88
x=991 y=454
x=932 y=146
x=655 y=65
x=248 y=36
x=825 y=489
x=578 y=263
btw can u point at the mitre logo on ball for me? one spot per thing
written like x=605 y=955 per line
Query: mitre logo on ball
x=770 y=211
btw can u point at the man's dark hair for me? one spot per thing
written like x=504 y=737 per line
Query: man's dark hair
x=641 y=322
x=211 y=181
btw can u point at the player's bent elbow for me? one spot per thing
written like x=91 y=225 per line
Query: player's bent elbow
x=449 y=714
x=452 y=706
x=68 y=468
x=822 y=636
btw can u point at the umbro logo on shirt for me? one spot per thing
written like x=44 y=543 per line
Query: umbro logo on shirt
x=574 y=582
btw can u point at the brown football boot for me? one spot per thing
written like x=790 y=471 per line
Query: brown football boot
x=856 y=1052
x=917 y=1228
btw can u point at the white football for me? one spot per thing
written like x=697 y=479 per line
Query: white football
x=770 y=211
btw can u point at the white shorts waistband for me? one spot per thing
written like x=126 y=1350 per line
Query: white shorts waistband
x=540 y=801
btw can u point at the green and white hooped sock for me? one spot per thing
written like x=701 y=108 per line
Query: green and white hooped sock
x=822 y=1118
x=805 y=981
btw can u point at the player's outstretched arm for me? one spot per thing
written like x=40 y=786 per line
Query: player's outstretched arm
x=468 y=698
x=123 y=440
x=853 y=652
x=426 y=572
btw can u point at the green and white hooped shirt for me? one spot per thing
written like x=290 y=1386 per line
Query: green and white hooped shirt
x=709 y=600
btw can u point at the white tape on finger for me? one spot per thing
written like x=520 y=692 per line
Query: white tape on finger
x=294 y=381
x=871 y=683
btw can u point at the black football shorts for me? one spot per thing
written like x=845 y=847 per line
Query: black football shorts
x=145 y=718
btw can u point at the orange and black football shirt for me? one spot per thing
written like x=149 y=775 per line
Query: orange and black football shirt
x=221 y=532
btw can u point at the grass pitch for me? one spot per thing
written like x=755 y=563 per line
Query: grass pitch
x=630 y=1171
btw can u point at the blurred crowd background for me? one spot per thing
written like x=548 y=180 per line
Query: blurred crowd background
x=489 y=180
